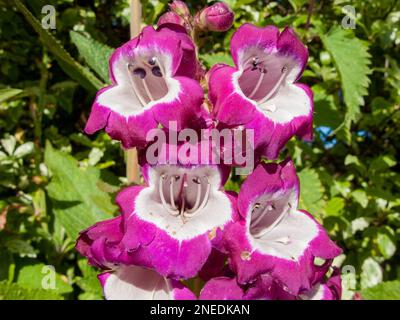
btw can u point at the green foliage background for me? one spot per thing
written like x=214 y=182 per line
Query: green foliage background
x=55 y=181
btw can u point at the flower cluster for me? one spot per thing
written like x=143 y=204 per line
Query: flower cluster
x=181 y=223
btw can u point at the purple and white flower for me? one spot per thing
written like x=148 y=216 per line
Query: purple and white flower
x=152 y=83
x=274 y=236
x=261 y=92
x=137 y=283
x=170 y=225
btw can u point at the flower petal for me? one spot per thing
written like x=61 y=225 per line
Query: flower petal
x=221 y=288
x=230 y=106
x=136 y=283
x=267 y=179
x=248 y=36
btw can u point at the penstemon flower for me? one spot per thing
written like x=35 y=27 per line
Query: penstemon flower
x=136 y=283
x=274 y=236
x=260 y=92
x=170 y=224
x=152 y=84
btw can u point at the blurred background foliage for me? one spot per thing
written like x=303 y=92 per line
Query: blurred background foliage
x=55 y=181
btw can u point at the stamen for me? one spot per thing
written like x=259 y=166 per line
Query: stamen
x=152 y=61
x=276 y=86
x=191 y=213
x=255 y=89
x=146 y=88
x=171 y=191
x=135 y=89
x=198 y=196
x=261 y=215
x=174 y=213
x=206 y=196
x=259 y=235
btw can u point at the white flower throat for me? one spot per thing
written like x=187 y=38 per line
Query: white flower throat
x=261 y=80
x=147 y=77
x=184 y=195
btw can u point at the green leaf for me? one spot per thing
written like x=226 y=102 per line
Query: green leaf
x=95 y=53
x=89 y=282
x=334 y=206
x=67 y=63
x=311 y=191
x=8 y=93
x=24 y=149
x=352 y=59
x=389 y=290
x=75 y=196
x=12 y=291
x=31 y=277
x=211 y=59
x=360 y=196
x=21 y=247
x=371 y=273
x=386 y=242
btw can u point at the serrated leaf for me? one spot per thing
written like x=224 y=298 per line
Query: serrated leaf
x=31 y=277
x=76 y=199
x=67 y=63
x=8 y=93
x=95 y=54
x=12 y=291
x=311 y=191
x=352 y=60
x=389 y=290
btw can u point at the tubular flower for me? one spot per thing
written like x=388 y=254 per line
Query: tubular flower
x=170 y=225
x=275 y=237
x=261 y=92
x=137 y=283
x=183 y=211
x=151 y=84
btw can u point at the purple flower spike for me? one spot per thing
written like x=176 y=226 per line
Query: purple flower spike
x=260 y=91
x=152 y=82
x=136 y=283
x=274 y=236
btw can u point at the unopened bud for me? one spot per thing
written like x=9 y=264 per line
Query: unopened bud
x=218 y=17
x=170 y=17
x=180 y=8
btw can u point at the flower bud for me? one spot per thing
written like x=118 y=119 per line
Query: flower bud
x=180 y=8
x=170 y=17
x=218 y=17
